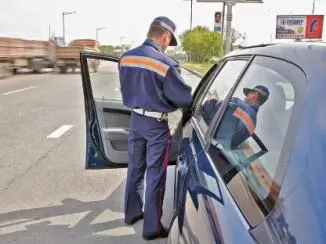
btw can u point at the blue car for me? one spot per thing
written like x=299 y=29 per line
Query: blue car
x=265 y=185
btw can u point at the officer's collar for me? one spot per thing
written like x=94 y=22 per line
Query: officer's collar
x=152 y=43
x=254 y=106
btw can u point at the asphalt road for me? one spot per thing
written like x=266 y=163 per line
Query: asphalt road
x=46 y=194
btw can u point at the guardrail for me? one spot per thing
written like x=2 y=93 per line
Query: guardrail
x=192 y=72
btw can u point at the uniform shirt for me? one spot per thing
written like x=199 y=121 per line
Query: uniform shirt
x=149 y=80
x=217 y=27
x=247 y=114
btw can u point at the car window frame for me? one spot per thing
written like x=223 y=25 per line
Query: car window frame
x=290 y=136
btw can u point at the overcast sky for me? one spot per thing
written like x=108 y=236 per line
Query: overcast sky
x=30 y=19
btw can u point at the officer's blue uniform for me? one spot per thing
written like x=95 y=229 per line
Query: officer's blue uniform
x=247 y=114
x=149 y=80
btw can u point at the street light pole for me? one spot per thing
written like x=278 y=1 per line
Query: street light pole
x=63 y=25
x=228 y=31
x=191 y=6
x=313 y=7
x=63 y=28
x=121 y=43
x=222 y=31
x=97 y=30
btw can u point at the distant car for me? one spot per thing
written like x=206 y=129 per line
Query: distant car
x=268 y=189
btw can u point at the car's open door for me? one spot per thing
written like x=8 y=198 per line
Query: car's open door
x=107 y=120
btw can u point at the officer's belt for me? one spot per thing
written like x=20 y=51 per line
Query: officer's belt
x=156 y=115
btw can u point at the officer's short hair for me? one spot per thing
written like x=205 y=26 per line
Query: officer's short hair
x=218 y=13
x=155 y=31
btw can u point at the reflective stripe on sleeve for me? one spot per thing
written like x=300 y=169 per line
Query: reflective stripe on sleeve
x=145 y=63
x=246 y=119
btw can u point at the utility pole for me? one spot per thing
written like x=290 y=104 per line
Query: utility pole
x=228 y=32
x=97 y=30
x=63 y=25
x=63 y=28
x=121 y=43
x=222 y=32
x=191 y=6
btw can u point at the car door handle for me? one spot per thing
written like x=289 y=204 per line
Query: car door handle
x=118 y=130
x=182 y=164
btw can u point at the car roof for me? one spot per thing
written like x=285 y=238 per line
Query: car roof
x=309 y=56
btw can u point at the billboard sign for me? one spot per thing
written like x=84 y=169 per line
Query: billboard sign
x=299 y=26
x=230 y=1
x=218 y=22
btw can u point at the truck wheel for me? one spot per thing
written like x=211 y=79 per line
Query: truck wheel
x=37 y=71
x=63 y=70
x=10 y=72
x=36 y=65
x=5 y=70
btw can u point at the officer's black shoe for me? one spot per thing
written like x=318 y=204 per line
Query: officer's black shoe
x=133 y=220
x=163 y=234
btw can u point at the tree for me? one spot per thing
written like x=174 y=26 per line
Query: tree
x=201 y=44
x=107 y=49
x=237 y=39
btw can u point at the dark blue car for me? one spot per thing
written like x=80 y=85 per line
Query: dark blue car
x=266 y=188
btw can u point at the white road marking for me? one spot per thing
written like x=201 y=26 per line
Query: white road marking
x=107 y=216
x=60 y=131
x=117 y=232
x=17 y=91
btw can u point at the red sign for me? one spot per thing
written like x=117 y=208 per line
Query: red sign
x=299 y=26
x=314 y=26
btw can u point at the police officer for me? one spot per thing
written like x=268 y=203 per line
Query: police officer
x=247 y=112
x=241 y=117
x=152 y=87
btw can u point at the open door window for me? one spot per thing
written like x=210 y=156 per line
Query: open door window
x=107 y=120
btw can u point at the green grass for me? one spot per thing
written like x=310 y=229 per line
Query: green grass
x=201 y=68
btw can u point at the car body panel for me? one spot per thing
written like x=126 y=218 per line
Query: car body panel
x=208 y=202
x=303 y=195
x=303 y=182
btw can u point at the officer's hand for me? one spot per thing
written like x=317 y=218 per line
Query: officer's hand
x=178 y=68
x=187 y=113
